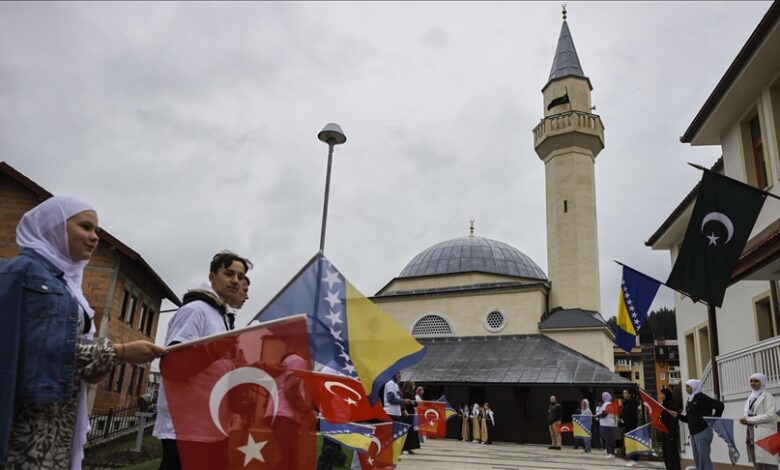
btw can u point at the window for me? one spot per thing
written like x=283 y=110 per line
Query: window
x=125 y=301
x=494 y=321
x=636 y=375
x=131 y=385
x=690 y=353
x=131 y=308
x=765 y=325
x=149 y=322
x=704 y=346
x=754 y=152
x=120 y=379
x=110 y=381
x=431 y=326
x=663 y=375
x=141 y=370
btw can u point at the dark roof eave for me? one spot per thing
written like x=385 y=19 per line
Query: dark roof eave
x=462 y=289
x=742 y=58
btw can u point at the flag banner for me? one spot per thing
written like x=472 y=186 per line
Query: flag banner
x=564 y=427
x=341 y=399
x=637 y=292
x=448 y=408
x=352 y=435
x=724 y=427
x=380 y=452
x=348 y=332
x=433 y=418
x=654 y=410
x=583 y=425
x=613 y=408
x=720 y=224
x=235 y=398
x=400 y=432
x=558 y=101
x=770 y=444
x=638 y=441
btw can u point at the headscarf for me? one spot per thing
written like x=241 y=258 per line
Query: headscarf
x=606 y=397
x=587 y=403
x=696 y=386
x=755 y=393
x=44 y=229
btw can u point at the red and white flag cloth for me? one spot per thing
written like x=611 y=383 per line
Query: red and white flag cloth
x=654 y=410
x=341 y=399
x=238 y=394
x=432 y=418
x=380 y=452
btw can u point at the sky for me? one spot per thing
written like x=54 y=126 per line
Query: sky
x=193 y=127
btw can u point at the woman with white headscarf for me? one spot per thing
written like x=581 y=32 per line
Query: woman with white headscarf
x=47 y=350
x=607 y=418
x=759 y=417
x=698 y=407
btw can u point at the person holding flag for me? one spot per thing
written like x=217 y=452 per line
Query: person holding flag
x=607 y=423
x=669 y=440
x=585 y=415
x=760 y=418
x=698 y=407
x=464 y=415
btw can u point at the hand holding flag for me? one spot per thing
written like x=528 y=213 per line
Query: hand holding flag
x=655 y=410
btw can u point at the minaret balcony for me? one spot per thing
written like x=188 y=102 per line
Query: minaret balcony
x=569 y=129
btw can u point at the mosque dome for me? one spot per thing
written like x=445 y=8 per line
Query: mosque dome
x=468 y=254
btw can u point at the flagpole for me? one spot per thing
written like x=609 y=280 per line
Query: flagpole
x=714 y=349
x=765 y=193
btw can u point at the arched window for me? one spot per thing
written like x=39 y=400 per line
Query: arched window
x=431 y=326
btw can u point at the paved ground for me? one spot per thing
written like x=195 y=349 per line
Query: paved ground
x=456 y=455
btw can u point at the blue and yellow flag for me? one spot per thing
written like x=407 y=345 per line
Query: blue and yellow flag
x=354 y=436
x=447 y=407
x=400 y=430
x=347 y=332
x=637 y=292
x=583 y=425
x=638 y=441
x=724 y=427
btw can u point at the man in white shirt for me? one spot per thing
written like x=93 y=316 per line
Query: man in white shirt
x=205 y=311
x=392 y=398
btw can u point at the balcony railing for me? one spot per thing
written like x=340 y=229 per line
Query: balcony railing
x=566 y=122
x=736 y=367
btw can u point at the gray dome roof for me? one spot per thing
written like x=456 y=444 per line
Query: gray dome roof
x=467 y=254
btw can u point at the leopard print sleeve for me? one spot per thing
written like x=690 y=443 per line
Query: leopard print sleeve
x=95 y=357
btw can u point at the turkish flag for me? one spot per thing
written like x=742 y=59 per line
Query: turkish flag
x=564 y=427
x=770 y=444
x=613 y=408
x=341 y=399
x=380 y=453
x=432 y=416
x=235 y=401
x=655 y=410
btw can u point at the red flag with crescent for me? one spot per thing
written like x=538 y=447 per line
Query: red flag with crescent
x=341 y=399
x=564 y=427
x=380 y=452
x=432 y=418
x=770 y=444
x=235 y=400
x=654 y=410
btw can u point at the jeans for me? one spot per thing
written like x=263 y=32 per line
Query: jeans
x=700 y=445
x=585 y=443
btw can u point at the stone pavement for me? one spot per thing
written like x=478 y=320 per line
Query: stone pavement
x=455 y=455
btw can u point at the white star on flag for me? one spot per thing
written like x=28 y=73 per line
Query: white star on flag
x=336 y=334
x=332 y=298
x=350 y=368
x=252 y=450
x=713 y=239
x=334 y=318
x=331 y=278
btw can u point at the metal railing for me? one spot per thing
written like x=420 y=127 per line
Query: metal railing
x=113 y=422
x=736 y=367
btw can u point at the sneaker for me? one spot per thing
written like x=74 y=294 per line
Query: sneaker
x=632 y=464
x=609 y=456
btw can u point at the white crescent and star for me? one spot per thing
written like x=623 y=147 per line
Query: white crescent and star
x=234 y=378
x=252 y=450
x=723 y=220
x=378 y=443
x=329 y=385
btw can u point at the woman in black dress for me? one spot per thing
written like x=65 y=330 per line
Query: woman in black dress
x=412 y=440
x=670 y=440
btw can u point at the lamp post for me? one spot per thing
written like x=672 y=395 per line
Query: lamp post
x=332 y=135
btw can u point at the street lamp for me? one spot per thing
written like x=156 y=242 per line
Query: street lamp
x=332 y=135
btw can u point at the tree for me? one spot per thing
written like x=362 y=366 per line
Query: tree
x=661 y=322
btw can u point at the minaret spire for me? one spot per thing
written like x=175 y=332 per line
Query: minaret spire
x=566 y=61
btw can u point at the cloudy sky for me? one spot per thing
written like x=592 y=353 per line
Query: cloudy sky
x=192 y=127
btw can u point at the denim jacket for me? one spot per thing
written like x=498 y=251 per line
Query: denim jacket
x=38 y=335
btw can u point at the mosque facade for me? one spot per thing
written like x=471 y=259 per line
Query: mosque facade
x=496 y=327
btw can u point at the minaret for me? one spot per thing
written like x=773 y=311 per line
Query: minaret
x=567 y=140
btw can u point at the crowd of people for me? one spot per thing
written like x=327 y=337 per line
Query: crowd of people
x=477 y=423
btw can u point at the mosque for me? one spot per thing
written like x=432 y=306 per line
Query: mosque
x=496 y=327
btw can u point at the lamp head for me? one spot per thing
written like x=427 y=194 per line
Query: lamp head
x=332 y=132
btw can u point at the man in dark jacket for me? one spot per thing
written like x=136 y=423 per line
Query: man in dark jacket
x=554 y=415
x=629 y=418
